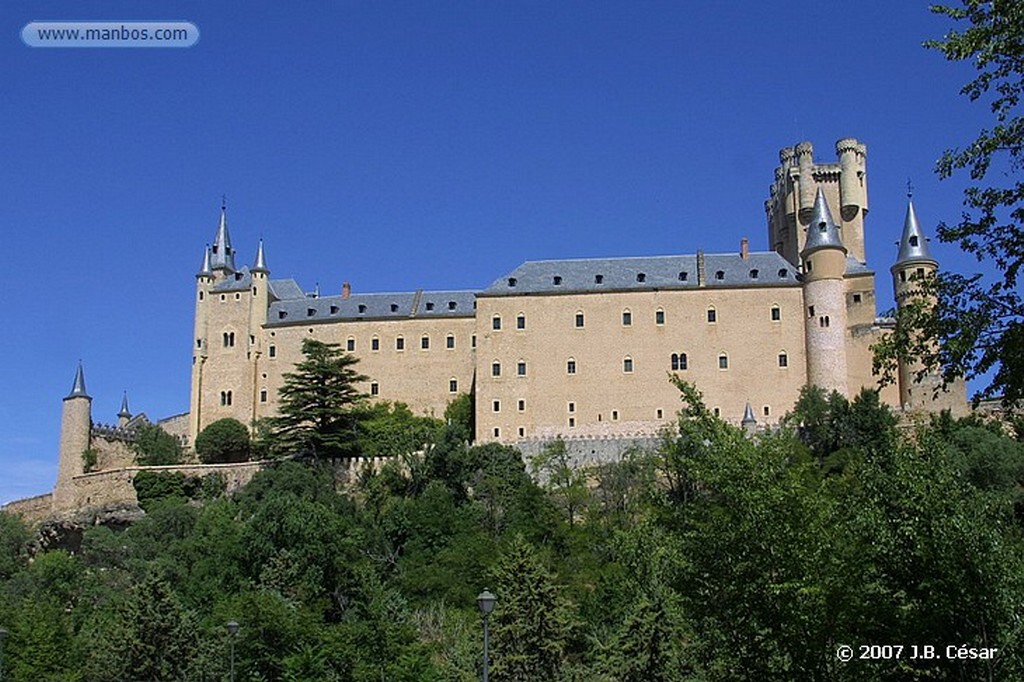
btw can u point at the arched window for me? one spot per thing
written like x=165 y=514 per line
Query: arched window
x=659 y=316
x=579 y=318
x=520 y=321
x=449 y=341
x=570 y=366
x=496 y=323
x=783 y=359
x=712 y=316
x=776 y=313
x=627 y=365
x=723 y=361
x=627 y=318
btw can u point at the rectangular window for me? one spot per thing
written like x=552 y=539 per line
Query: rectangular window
x=453 y=386
x=449 y=342
x=776 y=314
x=627 y=318
x=712 y=315
x=659 y=317
x=399 y=343
x=627 y=365
x=521 y=322
x=496 y=369
x=263 y=395
x=425 y=343
x=375 y=343
x=497 y=432
x=570 y=367
x=783 y=360
x=350 y=345
x=723 y=362
x=375 y=388
x=496 y=405
x=572 y=407
x=522 y=432
x=572 y=422
x=521 y=369
x=472 y=341
x=579 y=319
x=496 y=323
x=521 y=405
x=272 y=351
x=659 y=413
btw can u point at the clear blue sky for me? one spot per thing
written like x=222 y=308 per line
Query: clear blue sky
x=404 y=145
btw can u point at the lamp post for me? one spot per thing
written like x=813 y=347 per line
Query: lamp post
x=3 y=636
x=233 y=631
x=485 y=602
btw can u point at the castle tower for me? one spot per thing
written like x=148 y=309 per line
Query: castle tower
x=824 y=261
x=75 y=427
x=204 y=283
x=124 y=415
x=915 y=264
x=798 y=178
x=258 y=305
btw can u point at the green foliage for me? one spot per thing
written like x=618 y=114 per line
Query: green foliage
x=392 y=430
x=155 y=486
x=531 y=621
x=563 y=478
x=981 y=324
x=459 y=416
x=156 y=447
x=13 y=538
x=317 y=401
x=89 y=457
x=225 y=440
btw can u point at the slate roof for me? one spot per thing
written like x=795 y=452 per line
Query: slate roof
x=913 y=243
x=591 y=275
x=419 y=304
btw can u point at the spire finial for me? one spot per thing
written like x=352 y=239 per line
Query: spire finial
x=260 y=264
x=78 y=390
x=125 y=413
x=223 y=202
x=910 y=189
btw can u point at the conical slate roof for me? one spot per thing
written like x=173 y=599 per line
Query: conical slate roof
x=822 y=233
x=207 y=269
x=913 y=244
x=125 y=413
x=261 y=260
x=78 y=390
x=223 y=257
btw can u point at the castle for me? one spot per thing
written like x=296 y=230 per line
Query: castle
x=579 y=349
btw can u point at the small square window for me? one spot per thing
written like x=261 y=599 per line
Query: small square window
x=641 y=277
x=598 y=279
x=557 y=280
x=521 y=368
x=375 y=388
x=659 y=317
x=453 y=386
x=720 y=274
x=375 y=343
x=856 y=298
x=572 y=422
x=430 y=305
x=683 y=276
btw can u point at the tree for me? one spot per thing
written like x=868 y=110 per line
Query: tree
x=392 y=430
x=981 y=324
x=156 y=447
x=317 y=401
x=225 y=440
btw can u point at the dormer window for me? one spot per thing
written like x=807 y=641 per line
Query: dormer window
x=281 y=314
x=310 y=312
x=334 y=310
x=557 y=280
x=683 y=276
x=783 y=273
x=362 y=308
x=641 y=277
x=238 y=277
x=430 y=305
x=720 y=274
x=913 y=241
x=394 y=307
x=451 y=305
x=512 y=281
x=598 y=279
x=754 y=274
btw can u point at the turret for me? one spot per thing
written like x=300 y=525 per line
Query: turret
x=749 y=422
x=75 y=427
x=824 y=259
x=222 y=255
x=914 y=262
x=259 y=304
x=124 y=415
x=805 y=162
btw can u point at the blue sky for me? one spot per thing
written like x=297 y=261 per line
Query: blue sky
x=404 y=145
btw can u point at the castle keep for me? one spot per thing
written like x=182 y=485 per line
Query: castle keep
x=580 y=349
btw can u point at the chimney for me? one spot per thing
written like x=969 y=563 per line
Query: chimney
x=346 y=290
x=744 y=248
x=701 y=275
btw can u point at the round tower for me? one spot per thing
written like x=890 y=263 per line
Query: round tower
x=805 y=163
x=124 y=415
x=204 y=284
x=824 y=262
x=258 y=305
x=914 y=264
x=75 y=428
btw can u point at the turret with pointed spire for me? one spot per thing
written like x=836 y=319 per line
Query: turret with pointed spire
x=207 y=269
x=824 y=264
x=75 y=428
x=222 y=255
x=914 y=261
x=260 y=264
x=124 y=415
x=749 y=422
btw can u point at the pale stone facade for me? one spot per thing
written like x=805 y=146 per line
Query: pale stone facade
x=579 y=349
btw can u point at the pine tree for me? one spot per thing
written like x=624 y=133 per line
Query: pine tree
x=531 y=621
x=317 y=415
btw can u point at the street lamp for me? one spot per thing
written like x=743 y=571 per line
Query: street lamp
x=233 y=631
x=485 y=602
x=3 y=636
